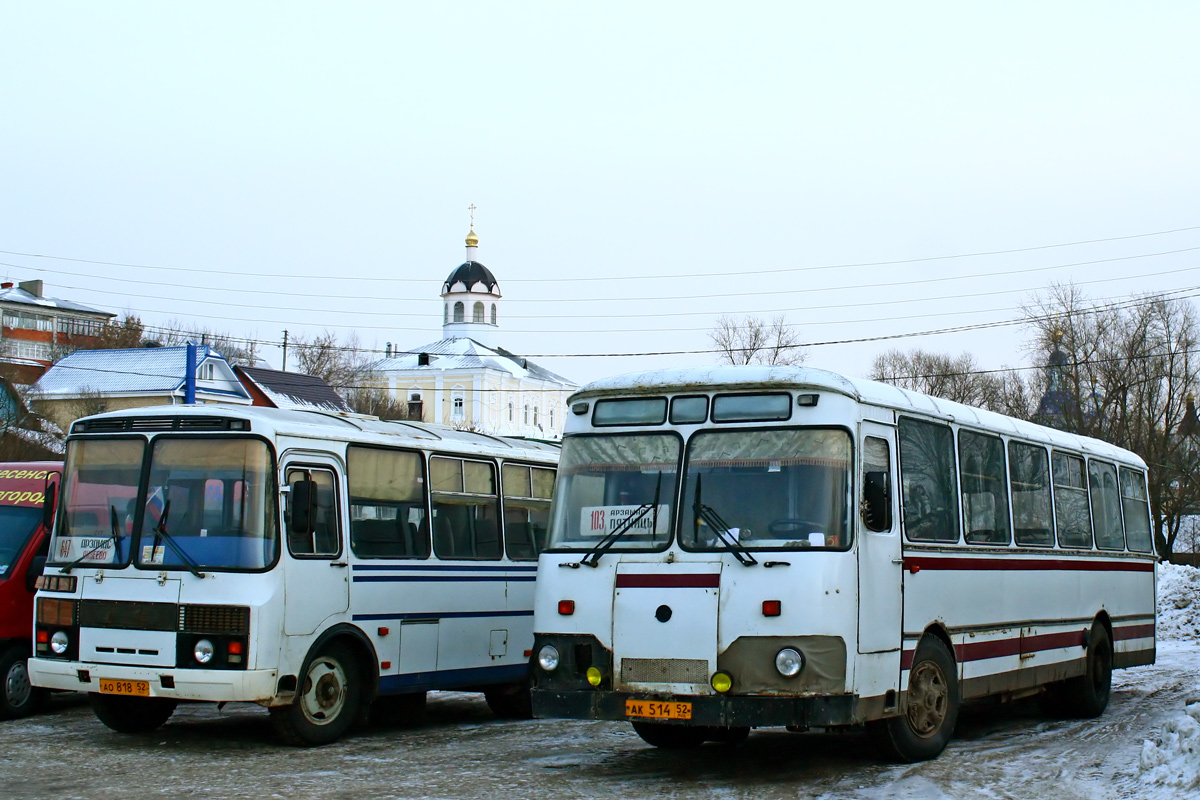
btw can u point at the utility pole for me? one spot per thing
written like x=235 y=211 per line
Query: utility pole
x=285 y=335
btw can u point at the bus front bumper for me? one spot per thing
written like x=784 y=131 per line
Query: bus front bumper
x=719 y=710
x=253 y=686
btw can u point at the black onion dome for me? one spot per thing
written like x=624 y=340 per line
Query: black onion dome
x=470 y=273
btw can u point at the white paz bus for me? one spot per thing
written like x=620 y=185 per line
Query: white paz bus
x=310 y=562
x=737 y=547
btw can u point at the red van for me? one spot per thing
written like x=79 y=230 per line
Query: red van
x=28 y=493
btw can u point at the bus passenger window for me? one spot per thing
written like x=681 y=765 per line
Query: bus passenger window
x=1074 y=521
x=527 y=492
x=877 y=496
x=1135 y=510
x=387 y=503
x=984 y=487
x=465 y=519
x=1029 y=474
x=927 y=481
x=1106 y=505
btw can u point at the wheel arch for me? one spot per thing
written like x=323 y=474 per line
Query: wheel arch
x=360 y=645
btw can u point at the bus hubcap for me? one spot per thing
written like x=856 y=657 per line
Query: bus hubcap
x=16 y=685
x=927 y=698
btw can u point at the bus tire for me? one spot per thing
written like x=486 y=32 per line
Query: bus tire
x=930 y=710
x=327 y=700
x=131 y=714
x=1086 y=697
x=672 y=737
x=511 y=701
x=18 y=697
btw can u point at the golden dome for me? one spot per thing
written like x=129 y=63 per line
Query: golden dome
x=472 y=239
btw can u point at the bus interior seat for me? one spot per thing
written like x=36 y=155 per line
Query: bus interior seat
x=487 y=538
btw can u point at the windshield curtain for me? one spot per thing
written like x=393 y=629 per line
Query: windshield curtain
x=100 y=485
x=208 y=501
x=17 y=524
x=770 y=489
x=604 y=480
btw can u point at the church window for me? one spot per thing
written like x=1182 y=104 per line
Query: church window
x=477 y=313
x=458 y=407
x=526 y=413
x=493 y=313
x=535 y=416
x=459 y=311
x=446 y=314
x=552 y=419
x=510 y=411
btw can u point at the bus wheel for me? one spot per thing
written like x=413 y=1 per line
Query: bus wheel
x=18 y=697
x=931 y=707
x=131 y=714
x=326 y=703
x=671 y=737
x=1086 y=697
x=511 y=701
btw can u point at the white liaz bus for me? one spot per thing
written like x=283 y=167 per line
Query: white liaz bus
x=736 y=547
x=310 y=562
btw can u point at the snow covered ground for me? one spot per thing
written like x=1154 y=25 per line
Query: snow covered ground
x=1172 y=759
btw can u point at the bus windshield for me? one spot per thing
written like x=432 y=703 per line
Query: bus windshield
x=208 y=504
x=17 y=524
x=767 y=489
x=603 y=481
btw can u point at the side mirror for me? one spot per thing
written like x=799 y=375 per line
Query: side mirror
x=877 y=501
x=36 y=566
x=51 y=494
x=302 y=507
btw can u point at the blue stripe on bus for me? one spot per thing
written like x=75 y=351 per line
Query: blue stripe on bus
x=439 y=578
x=436 y=615
x=443 y=568
x=451 y=678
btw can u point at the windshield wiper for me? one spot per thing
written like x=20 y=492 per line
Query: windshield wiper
x=709 y=516
x=112 y=537
x=160 y=531
x=592 y=557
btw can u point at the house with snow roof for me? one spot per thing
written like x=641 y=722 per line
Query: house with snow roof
x=91 y=381
x=278 y=389
x=466 y=379
x=35 y=329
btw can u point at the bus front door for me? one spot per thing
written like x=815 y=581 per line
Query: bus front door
x=316 y=585
x=879 y=557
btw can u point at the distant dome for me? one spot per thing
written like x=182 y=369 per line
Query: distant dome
x=470 y=273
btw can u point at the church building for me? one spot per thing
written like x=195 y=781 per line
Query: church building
x=466 y=379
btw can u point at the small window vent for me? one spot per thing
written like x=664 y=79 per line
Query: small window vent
x=148 y=424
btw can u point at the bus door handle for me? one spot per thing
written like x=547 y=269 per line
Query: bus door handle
x=337 y=564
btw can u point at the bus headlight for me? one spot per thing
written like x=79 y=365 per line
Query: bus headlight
x=789 y=662
x=59 y=642
x=548 y=658
x=203 y=651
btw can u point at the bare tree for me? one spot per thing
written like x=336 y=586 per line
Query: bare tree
x=752 y=340
x=343 y=366
x=376 y=401
x=1122 y=372
x=235 y=351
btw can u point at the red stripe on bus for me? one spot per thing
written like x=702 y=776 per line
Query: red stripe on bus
x=1021 y=564
x=707 y=580
x=1017 y=645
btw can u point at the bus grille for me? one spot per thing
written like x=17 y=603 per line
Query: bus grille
x=214 y=619
x=126 y=615
x=664 y=670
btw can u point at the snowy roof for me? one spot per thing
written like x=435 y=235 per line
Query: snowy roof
x=461 y=353
x=293 y=389
x=141 y=371
x=16 y=294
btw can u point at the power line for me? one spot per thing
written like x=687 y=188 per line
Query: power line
x=923 y=259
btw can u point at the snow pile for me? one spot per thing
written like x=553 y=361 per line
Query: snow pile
x=1178 y=602
x=1173 y=759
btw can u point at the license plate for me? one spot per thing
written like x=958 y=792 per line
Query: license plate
x=656 y=709
x=138 y=688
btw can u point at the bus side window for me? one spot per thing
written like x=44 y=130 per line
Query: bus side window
x=1071 y=513
x=1029 y=477
x=318 y=534
x=984 y=485
x=877 y=485
x=527 y=492
x=928 y=481
x=465 y=509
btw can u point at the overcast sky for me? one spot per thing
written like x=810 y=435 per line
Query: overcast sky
x=638 y=168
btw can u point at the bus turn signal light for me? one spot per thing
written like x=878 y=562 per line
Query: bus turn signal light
x=772 y=608
x=566 y=607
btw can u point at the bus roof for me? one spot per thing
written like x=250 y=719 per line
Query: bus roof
x=326 y=424
x=741 y=378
